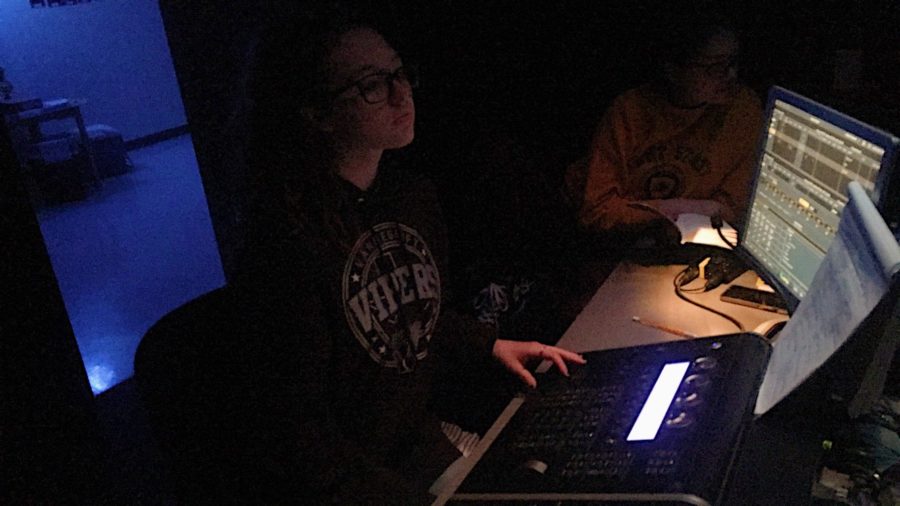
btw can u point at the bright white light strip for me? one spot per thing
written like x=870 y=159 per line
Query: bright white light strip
x=657 y=404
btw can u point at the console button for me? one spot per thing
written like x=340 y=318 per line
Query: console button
x=679 y=421
x=697 y=380
x=706 y=363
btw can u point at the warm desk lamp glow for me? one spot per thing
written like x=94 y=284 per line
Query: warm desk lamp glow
x=698 y=229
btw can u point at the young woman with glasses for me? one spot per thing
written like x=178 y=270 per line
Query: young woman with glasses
x=362 y=243
x=682 y=143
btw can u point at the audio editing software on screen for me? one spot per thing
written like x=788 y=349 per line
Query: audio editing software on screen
x=806 y=165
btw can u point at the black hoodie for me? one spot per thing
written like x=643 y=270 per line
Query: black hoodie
x=367 y=364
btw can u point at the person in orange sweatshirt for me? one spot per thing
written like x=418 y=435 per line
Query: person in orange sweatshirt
x=682 y=143
x=347 y=255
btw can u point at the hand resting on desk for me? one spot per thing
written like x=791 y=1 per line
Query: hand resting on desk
x=515 y=356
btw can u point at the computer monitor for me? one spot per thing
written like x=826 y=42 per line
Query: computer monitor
x=807 y=156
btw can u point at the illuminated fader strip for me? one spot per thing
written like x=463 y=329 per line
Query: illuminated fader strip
x=657 y=404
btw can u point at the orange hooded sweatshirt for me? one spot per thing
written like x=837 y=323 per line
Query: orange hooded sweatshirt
x=646 y=148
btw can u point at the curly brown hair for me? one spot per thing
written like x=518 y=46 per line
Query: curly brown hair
x=292 y=179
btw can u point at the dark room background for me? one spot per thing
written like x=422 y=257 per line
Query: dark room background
x=509 y=98
x=510 y=93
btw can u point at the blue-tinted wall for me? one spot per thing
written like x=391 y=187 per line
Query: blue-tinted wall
x=112 y=53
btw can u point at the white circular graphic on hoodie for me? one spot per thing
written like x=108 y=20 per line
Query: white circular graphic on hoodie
x=392 y=294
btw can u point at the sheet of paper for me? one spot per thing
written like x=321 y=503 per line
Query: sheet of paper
x=696 y=228
x=854 y=276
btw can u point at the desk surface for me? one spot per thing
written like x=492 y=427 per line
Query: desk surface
x=648 y=292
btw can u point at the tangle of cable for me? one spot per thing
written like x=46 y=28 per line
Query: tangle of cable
x=725 y=239
x=678 y=292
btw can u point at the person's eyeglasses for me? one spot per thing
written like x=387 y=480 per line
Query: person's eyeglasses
x=376 y=88
x=718 y=69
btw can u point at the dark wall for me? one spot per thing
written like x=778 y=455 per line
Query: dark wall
x=211 y=45
x=47 y=414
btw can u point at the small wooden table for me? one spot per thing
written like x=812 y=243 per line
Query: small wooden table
x=32 y=119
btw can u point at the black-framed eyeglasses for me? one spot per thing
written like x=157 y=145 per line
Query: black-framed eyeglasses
x=717 y=69
x=377 y=87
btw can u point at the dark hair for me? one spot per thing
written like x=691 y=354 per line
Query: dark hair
x=685 y=28
x=291 y=162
